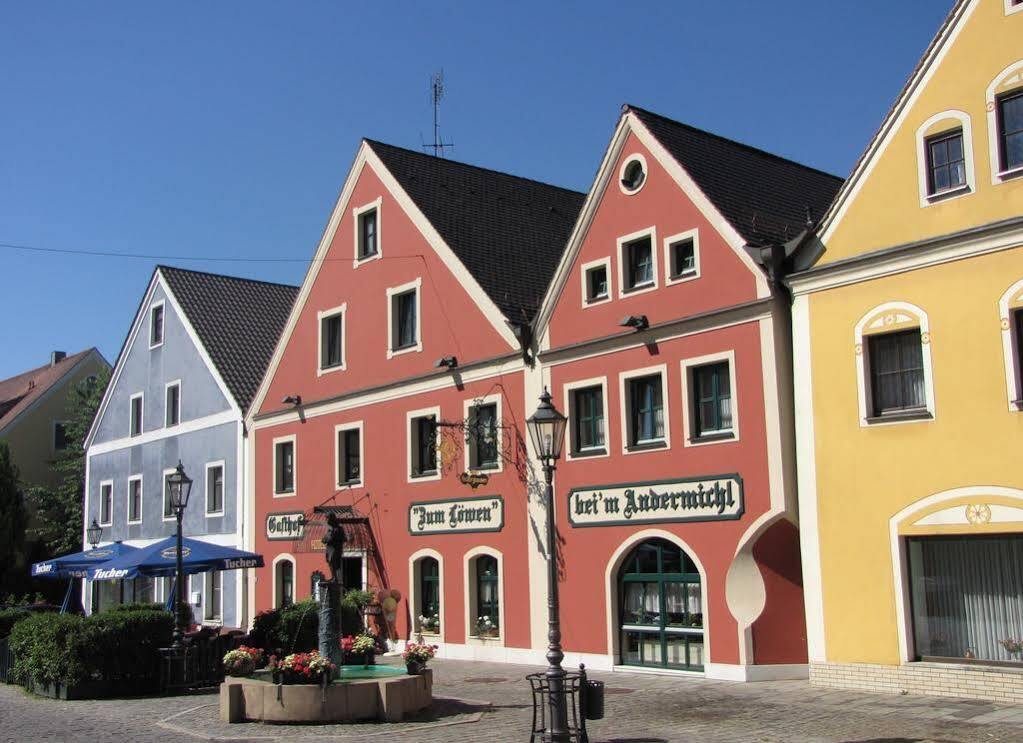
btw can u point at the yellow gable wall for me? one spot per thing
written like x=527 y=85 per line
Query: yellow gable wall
x=886 y=211
x=867 y=475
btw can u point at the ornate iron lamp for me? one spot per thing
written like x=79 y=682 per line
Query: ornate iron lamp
x=94 y=533
x=547 y=430
x=179 y=487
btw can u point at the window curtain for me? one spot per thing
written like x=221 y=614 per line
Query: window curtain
x=967 y=596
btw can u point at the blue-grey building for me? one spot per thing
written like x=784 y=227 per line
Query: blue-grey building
x=186 y=374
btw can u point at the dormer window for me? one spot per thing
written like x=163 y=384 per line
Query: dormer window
x=156 y=325
x=946 y=162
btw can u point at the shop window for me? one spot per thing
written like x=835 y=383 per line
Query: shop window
x=428 y=585
x=349 y=454
x=284 y=466
x=214 y=488
x=482 y=436
x=967 y=597
x=661 y=608
x=422 y=433
x=106 y=503
x=213 y=592
x=486 y=604
x=588 y=424
x=135 y=499
x=284 y=582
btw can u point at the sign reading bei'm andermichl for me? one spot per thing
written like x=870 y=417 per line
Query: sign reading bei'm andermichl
x=713 y=498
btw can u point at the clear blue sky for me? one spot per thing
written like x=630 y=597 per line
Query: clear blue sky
x=226 y=129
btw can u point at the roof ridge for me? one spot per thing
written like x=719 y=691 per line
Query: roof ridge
x=163 y=266
x=373 y=142
x=735 y=142
x=44 y=367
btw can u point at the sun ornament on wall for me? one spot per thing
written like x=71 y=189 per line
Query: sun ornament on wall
x=978 y=513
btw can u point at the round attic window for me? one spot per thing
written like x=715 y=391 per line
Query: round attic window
x=633 y=174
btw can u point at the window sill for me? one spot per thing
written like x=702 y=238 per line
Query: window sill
x=684 y=276
x=485 y=469
x=414 y=348
x=590 y=301
x=646 y=446
x=639 y=288
x=359 y=260
x=711 y=438
x=350 y=484
x=214 y=514
x=949 y=193
x=583 y=453
x=903 y=416
x=332 y=368
x=284 y=494
x=1010 y=173
x=424 y=475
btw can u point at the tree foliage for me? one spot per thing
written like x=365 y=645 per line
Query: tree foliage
x=58 y=510
x=12 y=522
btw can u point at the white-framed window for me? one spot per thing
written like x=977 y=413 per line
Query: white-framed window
x=366 y=224
x=332 y=333
x=423 y=440
x=682 y=257
x=172 y=403
x=60 y=441
x=135 y=499
x=1010 y=314
x=136 y=406
x=895 y=382
x=106 y=503
x=156 y=324
x=596 y=281
x=213 y=597
x=484 y=438
x=284 y=580
x=710 y=399
x=285 y=466
x=633 y=174
x=484 y=593
x=404 y=318
x=944 y=155
x=348 y=454
x=168 y=508
x=215 y=488
x=1004 y=98
x=637 y=262
x=426 y=578
x=1013 y=6
x=586 y=403
x=646 y=421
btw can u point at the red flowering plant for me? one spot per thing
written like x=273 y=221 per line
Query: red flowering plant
x=419 y=652
x=242 y=661
x=303 y=668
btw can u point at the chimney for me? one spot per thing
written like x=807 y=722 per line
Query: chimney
x=56 y=357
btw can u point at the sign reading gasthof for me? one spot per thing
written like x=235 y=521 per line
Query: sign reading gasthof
x=485 y=513
x=285 y=525
x=713 y=498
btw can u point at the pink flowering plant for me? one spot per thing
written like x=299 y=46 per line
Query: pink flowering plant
x=242 y=661
x=419 y=652
x=1012 y=647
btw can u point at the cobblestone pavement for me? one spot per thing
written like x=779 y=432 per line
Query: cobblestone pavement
x=490 y=702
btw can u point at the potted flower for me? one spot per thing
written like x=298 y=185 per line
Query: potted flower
x=360 y=649
x=303 y=668
x=416 y=656
x=429 y=623
x=242 y=661
x=1012 y=647
x=486 y=627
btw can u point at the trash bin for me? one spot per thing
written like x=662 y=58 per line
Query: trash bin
x=593 y=707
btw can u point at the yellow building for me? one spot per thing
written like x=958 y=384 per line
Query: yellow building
x=908 y=334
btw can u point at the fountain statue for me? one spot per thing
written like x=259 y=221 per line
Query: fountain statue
x=331 y=592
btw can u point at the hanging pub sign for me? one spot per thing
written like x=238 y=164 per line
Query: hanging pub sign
x=712 y=498
x=474 y=479
x=485 y=513
x=281 y=526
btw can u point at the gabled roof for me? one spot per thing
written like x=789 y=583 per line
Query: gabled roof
x=238 y=321
x=17 y=393
x=508 y=231
x=766 y=198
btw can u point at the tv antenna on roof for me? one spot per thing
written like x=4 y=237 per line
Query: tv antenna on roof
x=437 y=92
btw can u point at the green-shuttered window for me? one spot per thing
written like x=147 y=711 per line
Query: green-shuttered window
x=713 y=399
x=588 y=420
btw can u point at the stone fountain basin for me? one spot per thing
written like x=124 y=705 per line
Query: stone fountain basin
x=388 y=698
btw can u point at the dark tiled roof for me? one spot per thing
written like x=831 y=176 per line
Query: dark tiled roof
x=766 y=198
x=237 y=320
x=509 y=232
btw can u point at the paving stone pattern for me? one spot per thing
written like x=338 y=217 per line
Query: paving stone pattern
x=491 y=702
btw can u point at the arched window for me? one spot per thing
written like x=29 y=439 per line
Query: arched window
x=284 y=581
x=487 y=619
x=1010 y=313
x=428 y=595
x=1004 y=98
x=661 y=612
x=944 y=150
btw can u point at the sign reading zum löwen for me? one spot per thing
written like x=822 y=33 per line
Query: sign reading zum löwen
x=485 y=513
x=713 y=498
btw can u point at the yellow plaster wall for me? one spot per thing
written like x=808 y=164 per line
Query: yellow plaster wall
x=30 y=439
x=886 y=211
x=867 y=475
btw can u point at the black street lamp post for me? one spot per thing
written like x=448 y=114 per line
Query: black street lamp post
x=94 y=533
x=547 y=429
x=180 y=486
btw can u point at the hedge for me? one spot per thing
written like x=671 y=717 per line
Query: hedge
x=10 y=617
x=71 y=649
x=136 y=607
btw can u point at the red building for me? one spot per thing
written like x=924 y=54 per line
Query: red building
x=444 y=297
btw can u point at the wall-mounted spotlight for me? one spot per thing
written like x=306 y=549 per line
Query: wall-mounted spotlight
x=295 y=400
x=448 y=362
x=639 y=322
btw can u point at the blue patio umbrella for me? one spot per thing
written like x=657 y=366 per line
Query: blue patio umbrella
x=160 y=559
x=77 y=565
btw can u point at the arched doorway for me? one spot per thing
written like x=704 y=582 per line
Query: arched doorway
x=661 y=608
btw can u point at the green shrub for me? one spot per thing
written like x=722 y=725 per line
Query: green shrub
x=70 y=649
x=136 y=607
x=298 y=628
x=264 y=629
x=10 y=617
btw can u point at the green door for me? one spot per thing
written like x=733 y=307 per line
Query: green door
x=661 y=608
